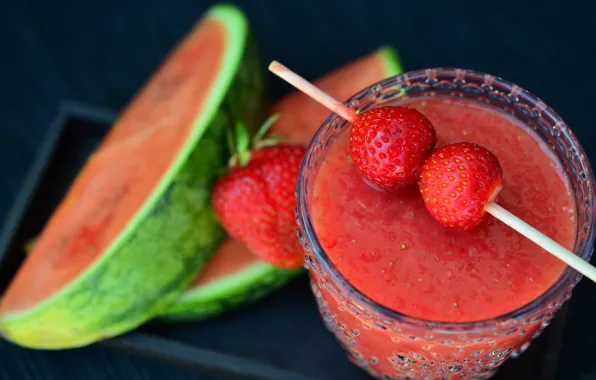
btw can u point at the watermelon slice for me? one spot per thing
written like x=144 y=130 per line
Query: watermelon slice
x=136 y=226
x=234 y=276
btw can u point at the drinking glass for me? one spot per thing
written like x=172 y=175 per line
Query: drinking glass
x=391 y=345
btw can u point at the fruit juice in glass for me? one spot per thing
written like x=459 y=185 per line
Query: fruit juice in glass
x=409 y=298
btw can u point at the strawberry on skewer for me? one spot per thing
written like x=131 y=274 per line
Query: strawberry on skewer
x=387 y=144
x=457 y=181
x=482 y=190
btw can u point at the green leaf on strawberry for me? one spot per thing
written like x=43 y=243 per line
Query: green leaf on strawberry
x=242 y=144
x=261 y=139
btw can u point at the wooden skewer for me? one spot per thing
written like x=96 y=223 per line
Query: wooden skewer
x=492 y=208
x=313 y=91
x=542 y=240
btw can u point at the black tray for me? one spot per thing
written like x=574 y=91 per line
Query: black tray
x=281 y=337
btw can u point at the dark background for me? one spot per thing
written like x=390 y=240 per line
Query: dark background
x=100 y=52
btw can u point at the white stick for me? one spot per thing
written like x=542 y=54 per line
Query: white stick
x=542 y=240
x=311 y=90
x=495 y=210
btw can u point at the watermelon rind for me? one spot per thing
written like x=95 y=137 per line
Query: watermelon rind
x=171 y=237
x=391 y=61
x=231 y=292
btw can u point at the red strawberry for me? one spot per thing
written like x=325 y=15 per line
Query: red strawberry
x=388 y=145
x=255 y=204
x=457 y=181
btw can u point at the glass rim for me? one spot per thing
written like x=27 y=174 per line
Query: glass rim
x=568 y=279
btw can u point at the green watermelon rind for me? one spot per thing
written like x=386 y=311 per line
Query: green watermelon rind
x=257 y=280
x=170 y=239
x=251 y=284
x=391 y=61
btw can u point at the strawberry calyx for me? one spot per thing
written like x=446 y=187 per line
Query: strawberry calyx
x=241 y=145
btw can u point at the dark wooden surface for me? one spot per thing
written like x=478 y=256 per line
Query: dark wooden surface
x=100 y=52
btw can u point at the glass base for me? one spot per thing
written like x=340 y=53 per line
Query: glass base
x=439 y=376
x=391 y=351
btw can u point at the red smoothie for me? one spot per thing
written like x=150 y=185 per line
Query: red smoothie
x=391 y=249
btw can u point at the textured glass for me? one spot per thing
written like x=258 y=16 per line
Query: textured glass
x=390 y=345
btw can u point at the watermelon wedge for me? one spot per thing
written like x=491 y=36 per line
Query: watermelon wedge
x=136 y=226
x=234 y=276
